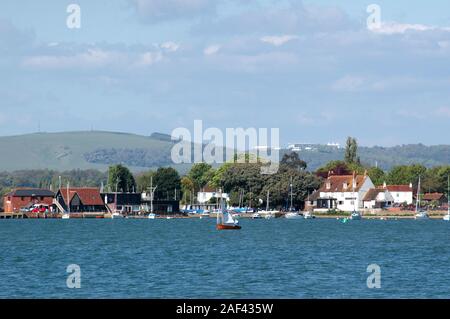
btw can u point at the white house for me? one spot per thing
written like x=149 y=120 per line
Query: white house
x=206 y=194
x=377 y=198
x=401 y=193
x=343 y=192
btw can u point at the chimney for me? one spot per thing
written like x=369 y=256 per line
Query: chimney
x=384 y=184
x=410 y=185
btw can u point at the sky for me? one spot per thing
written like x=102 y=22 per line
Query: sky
x=313 y=69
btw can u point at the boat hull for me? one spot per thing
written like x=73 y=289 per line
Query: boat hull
x=227 y=227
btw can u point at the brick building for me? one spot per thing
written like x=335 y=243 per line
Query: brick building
x=24 y=197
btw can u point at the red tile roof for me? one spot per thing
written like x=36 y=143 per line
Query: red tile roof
x=337 y=183
x=433 y=196
x=89 y=196
x=399 y=188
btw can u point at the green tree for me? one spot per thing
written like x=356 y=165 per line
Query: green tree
x=144 y=180
x=351 y=151
x=200 y=175
x=168 y=182
x=187 y=187
x=121 y=178
x=293 y=161
x=377 y=175
x=405 y=174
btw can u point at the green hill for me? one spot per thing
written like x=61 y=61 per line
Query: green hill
x=98 y=150
x=83 y=150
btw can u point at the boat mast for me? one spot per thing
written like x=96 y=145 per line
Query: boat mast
x=448 y=195
x=267 y=202
x=68 y=197
x=353 y=193
x=292 y=194
x=418 y=196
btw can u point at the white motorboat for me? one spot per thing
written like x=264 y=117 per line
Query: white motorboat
x=356 y=216
x=422 y=215
x=293 y=215
x=151 y=216
x=308 y=215
x=116 y=215
x=257 y=216
x=65 y=216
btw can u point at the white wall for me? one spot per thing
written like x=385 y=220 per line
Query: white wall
x=402 y=197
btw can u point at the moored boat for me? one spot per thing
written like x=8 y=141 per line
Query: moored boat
x=420 y=214
x=225 y=220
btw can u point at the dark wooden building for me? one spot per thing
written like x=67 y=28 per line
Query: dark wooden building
x=81 y=199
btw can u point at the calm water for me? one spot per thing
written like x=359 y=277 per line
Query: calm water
x=190 y=259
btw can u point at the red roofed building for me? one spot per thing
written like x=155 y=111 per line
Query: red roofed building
x=343 y=192
x=81 y=199
x=439 y=198
x=23 y=197
x=401 y=193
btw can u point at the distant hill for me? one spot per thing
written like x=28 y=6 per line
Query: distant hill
x=83 y=150
x=98 y=150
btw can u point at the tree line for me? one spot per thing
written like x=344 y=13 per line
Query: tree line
x=242 y=181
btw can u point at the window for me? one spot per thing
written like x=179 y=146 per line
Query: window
x=341 y=202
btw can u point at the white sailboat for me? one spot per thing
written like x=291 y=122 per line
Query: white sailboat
x=292 y=213
x=420 y=214
x=66 y=215
x=225 y=220
x=267 y=211
x=447 y=217
x=356 y=215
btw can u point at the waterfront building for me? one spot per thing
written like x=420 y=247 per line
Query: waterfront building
x=402 y=194
x=208 y=193
x=377 y=198
x=24 y=197
x=125 y=203
x=80 y=200
x=437 y=198
x=343 y=192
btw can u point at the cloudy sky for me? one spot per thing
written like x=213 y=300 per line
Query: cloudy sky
x=312 y=68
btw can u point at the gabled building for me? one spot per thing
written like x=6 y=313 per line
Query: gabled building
x=377 y=198
x=402 y=194
x=80 y=199
x=438 y=198
x=343 y=192
x=23 y=197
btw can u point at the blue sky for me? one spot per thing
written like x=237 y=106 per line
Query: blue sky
x=311 y=68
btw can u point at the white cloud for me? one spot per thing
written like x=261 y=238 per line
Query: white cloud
x=149 y=58
x=91 y=58
x=212 y=49
x=348 y=83
x=278 y=40
x=154 y=11
x=170 y=46
x=400 y=28
x=443 y=111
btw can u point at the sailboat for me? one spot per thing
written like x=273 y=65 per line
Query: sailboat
x=225 y=220
x=66 y=215
x=292 y=213
x=420 y=214
x=355 y=215
x=447 y=217
x=267 y=211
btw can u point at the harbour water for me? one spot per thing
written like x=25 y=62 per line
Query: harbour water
x=188 y=258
